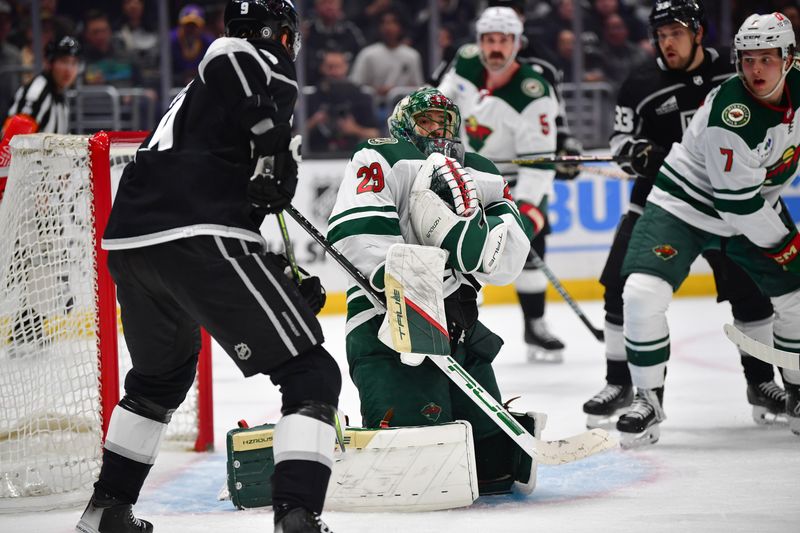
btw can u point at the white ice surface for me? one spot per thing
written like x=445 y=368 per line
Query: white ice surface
x=713 y=470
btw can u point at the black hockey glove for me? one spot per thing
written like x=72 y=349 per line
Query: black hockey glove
x=310 y=287
x=274 y=182
x=314 y=293
x=646 y=158
x=567 y=145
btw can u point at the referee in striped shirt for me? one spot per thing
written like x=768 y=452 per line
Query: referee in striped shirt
x=43 y=98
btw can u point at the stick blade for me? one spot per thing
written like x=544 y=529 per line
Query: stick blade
x=575 y=448
x=759 y=350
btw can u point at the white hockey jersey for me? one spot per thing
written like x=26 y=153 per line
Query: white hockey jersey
x=515 y=121
x=372 y=213
x=736 y=156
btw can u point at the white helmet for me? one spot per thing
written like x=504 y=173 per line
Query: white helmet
x=766 y=31
x=762 y=32
x=500 y=20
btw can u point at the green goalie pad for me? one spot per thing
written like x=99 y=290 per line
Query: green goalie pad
x=422 y=468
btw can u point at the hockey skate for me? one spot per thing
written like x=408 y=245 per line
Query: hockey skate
x=640 y=425
x=300 y=520
x=768 y=401
x=604 y=408
x=543 y=346
x=793 y=407
x=107 y=514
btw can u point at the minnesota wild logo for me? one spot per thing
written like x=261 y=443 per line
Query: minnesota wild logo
x=431 y=412
x=477 y=133
x=785 y=168
x=665 y=251
x=736 y=115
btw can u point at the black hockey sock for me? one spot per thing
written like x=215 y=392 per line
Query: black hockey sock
x=618 y=373
x=493 y=460
x=298 y=483
x=756 y=370
x=121 y=477
x=532 y=304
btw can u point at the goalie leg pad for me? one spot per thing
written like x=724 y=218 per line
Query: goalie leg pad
x=421 y=469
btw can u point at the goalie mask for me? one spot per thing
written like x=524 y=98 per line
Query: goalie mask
x=762 y=32
x=264 y=19
x=430 y=121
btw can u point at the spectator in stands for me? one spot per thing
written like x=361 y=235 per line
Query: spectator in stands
x=329 y=30
x=27 y=53
x=389 y=63
x=10 y=60
x=106 y=63
x=592 y=63
x=792 y=12
x=340 y=115
x=620 y=55
x=637 y=29
x=139 y=41
x=188 y=43
x=215 y=21
x=556 y=21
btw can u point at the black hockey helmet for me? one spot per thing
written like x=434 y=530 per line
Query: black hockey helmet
x=264 y=19
x=690 y=13
x=65 y=46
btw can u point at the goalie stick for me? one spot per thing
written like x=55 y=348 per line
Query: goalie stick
x=539 y=263
x=555 y=452
x=759 y=350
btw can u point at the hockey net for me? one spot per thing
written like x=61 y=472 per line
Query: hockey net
x=61 y=358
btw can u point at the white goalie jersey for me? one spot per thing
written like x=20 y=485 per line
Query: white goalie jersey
x=372 y=212
x=736 y=156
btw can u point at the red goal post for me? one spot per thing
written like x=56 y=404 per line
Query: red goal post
x=60 y=356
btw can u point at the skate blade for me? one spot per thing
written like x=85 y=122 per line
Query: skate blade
x=539 y=355
x=764 y=417
x=607 y=422
x=638 y=440
x=794 y=425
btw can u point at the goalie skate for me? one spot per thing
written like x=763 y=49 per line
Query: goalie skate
x=640 y=425
x=543 y=346
x=768 y=401
x=604 y=408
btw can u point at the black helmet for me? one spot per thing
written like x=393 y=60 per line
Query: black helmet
x=264 y=19
x=65 y=46
x=690 y=13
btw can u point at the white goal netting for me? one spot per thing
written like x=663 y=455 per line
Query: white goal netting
x=53 y=367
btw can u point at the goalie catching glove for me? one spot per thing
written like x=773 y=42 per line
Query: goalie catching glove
x=447 y=178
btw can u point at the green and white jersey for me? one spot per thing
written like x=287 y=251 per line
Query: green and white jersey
x=515 y=121
x=372 y=213
x=736 y=156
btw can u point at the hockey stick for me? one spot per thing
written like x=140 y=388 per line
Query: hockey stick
x=556 y=452
x=565 y=160
x=288 y=248
x=759 y=350
x=541 y=265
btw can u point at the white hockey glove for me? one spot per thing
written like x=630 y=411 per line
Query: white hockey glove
x=447 y=178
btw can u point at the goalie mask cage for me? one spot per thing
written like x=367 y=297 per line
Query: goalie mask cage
x=60 y=367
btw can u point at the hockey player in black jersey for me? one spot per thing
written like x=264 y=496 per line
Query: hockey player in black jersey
x=185 y=251
x=654 y=106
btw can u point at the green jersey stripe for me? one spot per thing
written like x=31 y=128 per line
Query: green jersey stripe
x=739 y=207
x=377 y=225
x=664 y=183
x=381 y=209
